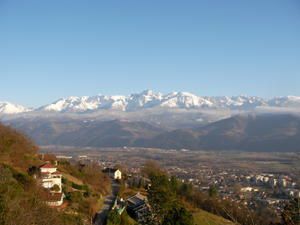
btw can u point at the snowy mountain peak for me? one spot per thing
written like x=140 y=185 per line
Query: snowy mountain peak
x=9 y=108
x=185 y=100
x=147 y=92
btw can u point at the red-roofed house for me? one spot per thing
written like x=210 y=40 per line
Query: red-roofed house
x=48 y=168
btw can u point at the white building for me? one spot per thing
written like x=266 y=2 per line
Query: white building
x=283 y=182
x=51 y=180
x=118 y=175
x=114 y=173
x=273 y=182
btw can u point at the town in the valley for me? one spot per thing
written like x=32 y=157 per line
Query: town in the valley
x=245 y=178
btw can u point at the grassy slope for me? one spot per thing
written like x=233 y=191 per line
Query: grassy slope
x=72 y=178
x=205 y=218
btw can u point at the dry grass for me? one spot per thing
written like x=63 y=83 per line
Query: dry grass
x=205 y=218
x=72 y=179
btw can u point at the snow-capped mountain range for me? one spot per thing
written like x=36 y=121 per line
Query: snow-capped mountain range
x=149 y=99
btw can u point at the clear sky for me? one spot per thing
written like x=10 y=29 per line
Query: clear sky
x=57 y=48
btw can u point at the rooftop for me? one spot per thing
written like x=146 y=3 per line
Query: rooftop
x=48 y=166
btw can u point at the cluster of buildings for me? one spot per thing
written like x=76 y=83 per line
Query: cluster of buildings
x=272 y=180
x=254 y=190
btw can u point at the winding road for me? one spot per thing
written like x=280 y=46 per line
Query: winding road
x=101 y=217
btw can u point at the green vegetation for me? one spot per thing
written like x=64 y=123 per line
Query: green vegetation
x=85 y=188
x=213 y=192
x=20 y=197
x=55 y=188
x=291 y=214
x=90 y=175
x=115 y=219
x=166 y=193
x=166 y=207
x=126 y=219
x=172 y=201
x=22 y=205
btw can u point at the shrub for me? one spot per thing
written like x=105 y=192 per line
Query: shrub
x=113 y=218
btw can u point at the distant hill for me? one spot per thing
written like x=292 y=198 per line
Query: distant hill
x=269 y=132
x=265 y=132
x=91 y=133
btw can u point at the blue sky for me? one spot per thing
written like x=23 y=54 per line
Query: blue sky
x=51 y=49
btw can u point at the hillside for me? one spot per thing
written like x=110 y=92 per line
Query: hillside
x=15 y=149
x=202 y=217
x=251 y=133
x=22 y=198
x=92 y=133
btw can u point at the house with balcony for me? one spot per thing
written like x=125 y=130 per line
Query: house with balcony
x=51 y=181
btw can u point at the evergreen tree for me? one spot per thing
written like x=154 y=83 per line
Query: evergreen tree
x=178 y=215
x=113 y=218
x=213 y=192
x=166 y=207
x=291 y=213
